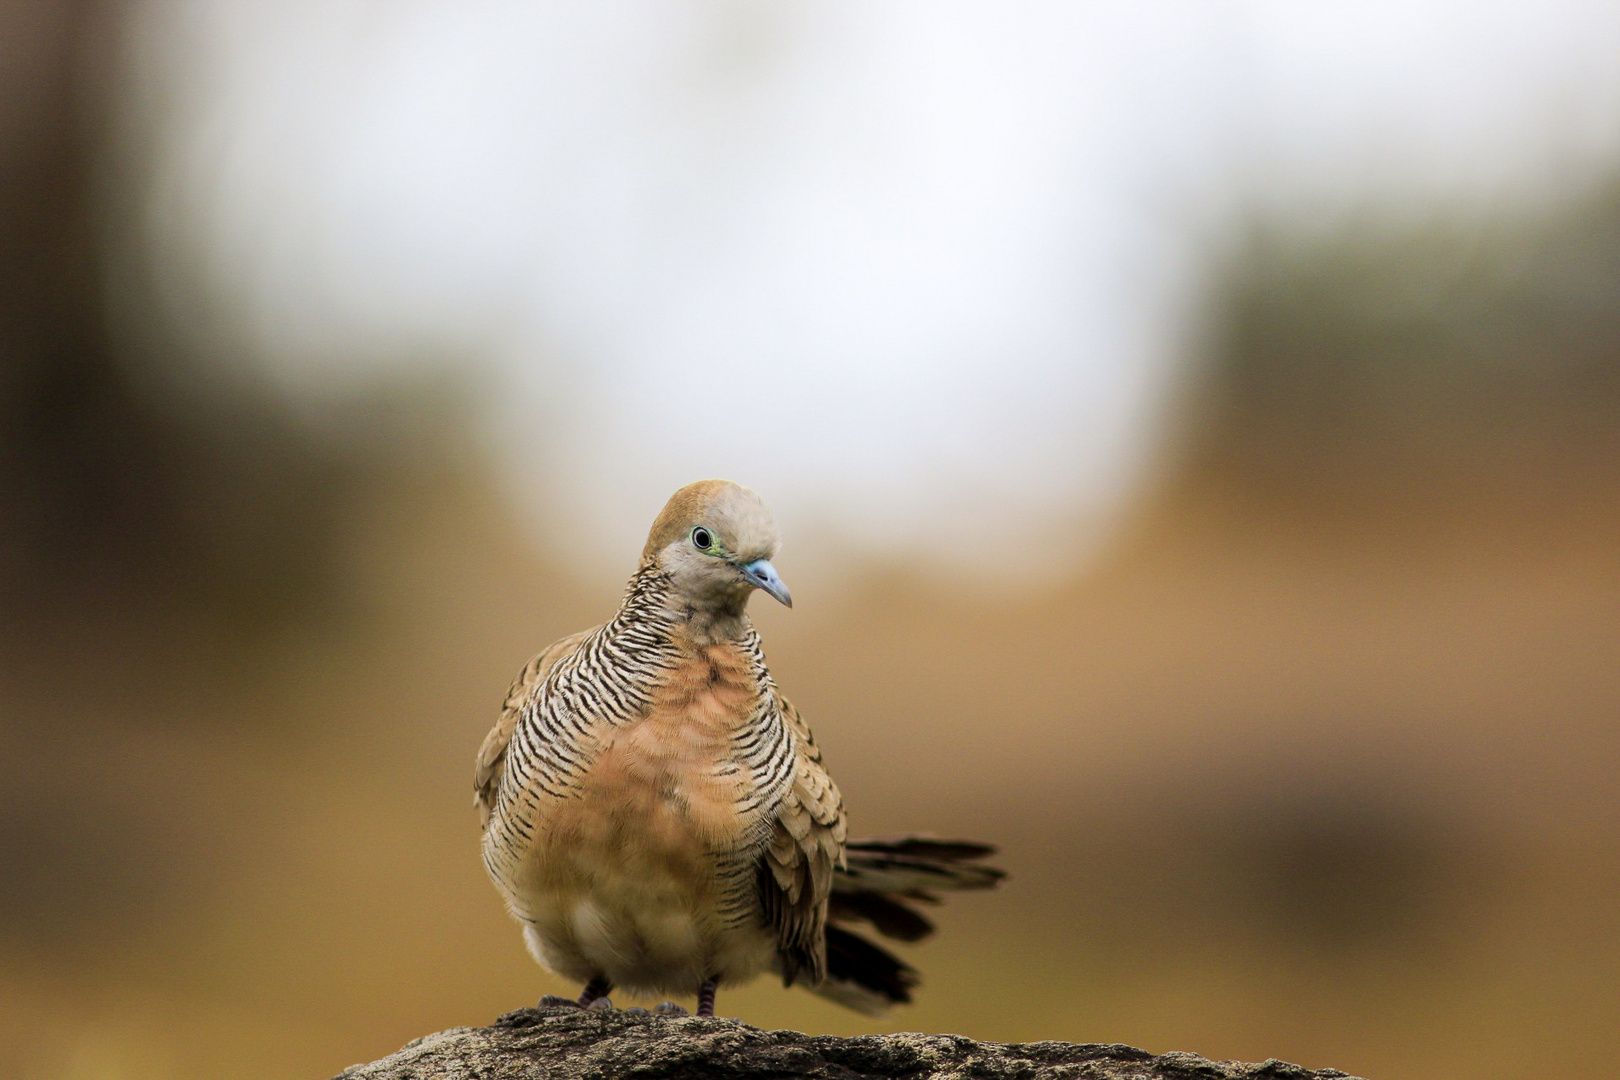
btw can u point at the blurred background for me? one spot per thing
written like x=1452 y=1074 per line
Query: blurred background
x=1195 y=427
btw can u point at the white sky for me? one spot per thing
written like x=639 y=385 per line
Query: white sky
x=904 y=268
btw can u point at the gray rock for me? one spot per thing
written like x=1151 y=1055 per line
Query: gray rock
x=570 y=1044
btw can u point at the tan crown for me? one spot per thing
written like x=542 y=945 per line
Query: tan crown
x=736 y=511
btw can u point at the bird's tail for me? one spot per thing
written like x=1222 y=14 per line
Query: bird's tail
x=887 y=879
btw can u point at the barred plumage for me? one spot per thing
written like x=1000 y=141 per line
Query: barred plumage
x=656 y=813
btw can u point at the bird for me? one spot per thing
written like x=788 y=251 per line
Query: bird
x=656 y=814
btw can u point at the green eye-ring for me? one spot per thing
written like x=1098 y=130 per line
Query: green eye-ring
x=702 y=538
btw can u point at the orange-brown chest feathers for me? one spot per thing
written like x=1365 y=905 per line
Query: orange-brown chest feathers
x=669 y=782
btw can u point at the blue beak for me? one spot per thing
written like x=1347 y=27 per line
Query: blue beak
x=762 y=575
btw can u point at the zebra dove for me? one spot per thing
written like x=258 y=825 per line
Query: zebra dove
x=656 y=814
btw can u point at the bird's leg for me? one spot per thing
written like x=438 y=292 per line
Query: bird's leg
x=706 y=996
x=595 y=991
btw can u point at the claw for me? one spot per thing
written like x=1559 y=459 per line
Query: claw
x=669 y=1008
x=552 y=1001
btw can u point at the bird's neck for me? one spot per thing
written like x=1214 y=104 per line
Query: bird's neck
x=708 y=626
x=652 y=596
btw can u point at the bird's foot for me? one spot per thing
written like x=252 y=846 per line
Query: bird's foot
x=601 y=1004
x=594 y=997
x=669 y=1008
x=552 y=1001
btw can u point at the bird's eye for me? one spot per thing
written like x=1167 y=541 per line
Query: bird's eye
x=702 y=539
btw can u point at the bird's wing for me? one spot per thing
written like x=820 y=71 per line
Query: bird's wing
x=492 y=754
x=796 y=869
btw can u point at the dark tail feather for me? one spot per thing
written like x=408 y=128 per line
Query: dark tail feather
x=924 y=847
x=888 y=916
x=864 y=976
x=916 y=866
x=885 y=879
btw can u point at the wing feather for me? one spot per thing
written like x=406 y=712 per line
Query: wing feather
x=492 y=754
x=796 y=870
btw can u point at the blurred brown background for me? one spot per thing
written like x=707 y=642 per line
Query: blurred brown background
x=1312 y=756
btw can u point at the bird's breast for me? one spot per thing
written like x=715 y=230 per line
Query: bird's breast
x=669 y=785
x=643 y=870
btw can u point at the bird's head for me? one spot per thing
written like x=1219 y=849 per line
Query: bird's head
x=715 y=539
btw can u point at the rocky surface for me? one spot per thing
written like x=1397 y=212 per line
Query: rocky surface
x=567 y=1043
